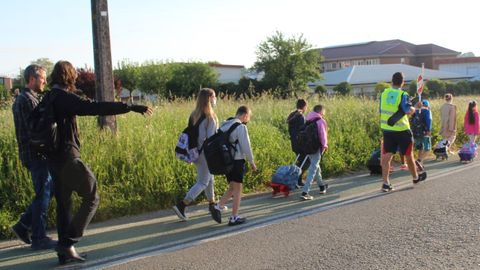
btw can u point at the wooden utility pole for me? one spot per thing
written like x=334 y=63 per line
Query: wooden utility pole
x=103 y=60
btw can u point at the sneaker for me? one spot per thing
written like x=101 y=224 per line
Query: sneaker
x=419 y=165
x=404 y=167
x=45 y=243
x=421 y=177
x=387 y=187
x=323 y=189
x=306 y=197
x=300 y=184
x=22 y=233
x=215 y=212
x=236 y=220
x=179 y=209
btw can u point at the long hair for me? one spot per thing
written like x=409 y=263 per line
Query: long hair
x=203 y=106
x=65 y=75
x=472 y=107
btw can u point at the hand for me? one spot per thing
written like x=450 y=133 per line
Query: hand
x=141 y=109
x=254 y=167
x=324 y=150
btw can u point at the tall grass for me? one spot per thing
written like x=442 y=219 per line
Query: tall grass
x=137 y=170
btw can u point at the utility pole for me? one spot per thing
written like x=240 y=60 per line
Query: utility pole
x=103 y=60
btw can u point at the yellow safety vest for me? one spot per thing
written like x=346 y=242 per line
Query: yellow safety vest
x=390 y=100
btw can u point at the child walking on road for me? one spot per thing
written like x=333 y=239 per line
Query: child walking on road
x=204 y=114
x=240 y=138
x=314 y=170
x=471 y=121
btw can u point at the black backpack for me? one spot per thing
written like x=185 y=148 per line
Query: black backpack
x=307 y=139
x=219 y=152
x=43 y=126
x=417 y=125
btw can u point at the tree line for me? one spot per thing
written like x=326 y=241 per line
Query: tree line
x=286 y=64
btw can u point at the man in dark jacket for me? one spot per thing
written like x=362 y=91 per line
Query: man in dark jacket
x=35 y=217
x=296 y=121
x=70 y=173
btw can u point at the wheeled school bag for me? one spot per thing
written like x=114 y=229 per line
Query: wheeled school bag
x=468 y=152
x=307 y=139
x=374 y=163
x=441 y=150
x=219 y=151
x=187 y=144
x=285 y=178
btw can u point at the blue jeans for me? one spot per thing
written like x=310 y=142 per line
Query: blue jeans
x=36 y=214
x=314 y=171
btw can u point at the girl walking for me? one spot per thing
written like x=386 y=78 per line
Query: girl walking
x=204 y=113
x=471 y=121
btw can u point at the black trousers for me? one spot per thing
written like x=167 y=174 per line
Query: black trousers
x=74 y=176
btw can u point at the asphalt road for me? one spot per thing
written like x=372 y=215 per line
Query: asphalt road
x=433 y=225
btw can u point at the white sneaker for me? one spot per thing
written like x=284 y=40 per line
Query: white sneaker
x=306 y=197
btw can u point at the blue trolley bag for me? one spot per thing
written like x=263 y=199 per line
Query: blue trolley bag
x=288 y=175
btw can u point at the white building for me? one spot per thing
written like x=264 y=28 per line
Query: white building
x=229 y=73
x=468 y=66
x=364 y=78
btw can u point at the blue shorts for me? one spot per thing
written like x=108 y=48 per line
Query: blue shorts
x=423 y=143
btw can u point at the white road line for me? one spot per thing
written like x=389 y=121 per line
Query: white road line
x=260 y=223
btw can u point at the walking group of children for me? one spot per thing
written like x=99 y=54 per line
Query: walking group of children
x=204 y=123
x=405 y=126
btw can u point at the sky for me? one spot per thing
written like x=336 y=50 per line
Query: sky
x=226 y=31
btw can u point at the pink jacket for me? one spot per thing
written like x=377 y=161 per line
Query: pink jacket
x=321 y=127
x=471 y=129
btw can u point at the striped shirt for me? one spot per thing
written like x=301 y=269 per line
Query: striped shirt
x=25 y=102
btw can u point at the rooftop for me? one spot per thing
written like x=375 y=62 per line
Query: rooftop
x=394 y=47
x=372 y=74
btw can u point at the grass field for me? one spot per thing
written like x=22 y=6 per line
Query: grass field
x=137 y=170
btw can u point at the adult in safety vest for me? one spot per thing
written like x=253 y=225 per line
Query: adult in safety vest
x=395 y=107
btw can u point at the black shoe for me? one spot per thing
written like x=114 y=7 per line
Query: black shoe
x=300 y=184
x=215 y=212
x=387 y=188
x=236 y=221
x=421 y=177
x=323 y=189
x=179 y=209
x=22 y=233
x=45 y=243
x=68 y=254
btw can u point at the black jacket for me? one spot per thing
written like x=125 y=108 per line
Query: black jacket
x=295 y=121
x=67 y=106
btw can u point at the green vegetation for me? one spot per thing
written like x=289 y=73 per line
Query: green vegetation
x=137 y=170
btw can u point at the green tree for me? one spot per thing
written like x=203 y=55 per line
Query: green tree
x=343 y=88
x=380 y=87
x=412 y=89
x=475 y=87
x=128 y=74
x=46 y=63
x=289 y=63
x=462 y=88
x=187 y=78
x=321 y=90
x=154 y=77
x=436 y=87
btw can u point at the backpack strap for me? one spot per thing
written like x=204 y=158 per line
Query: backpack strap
x=232 y=128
